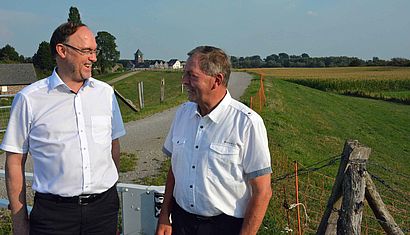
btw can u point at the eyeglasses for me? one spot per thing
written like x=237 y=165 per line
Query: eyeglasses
x=88 y=52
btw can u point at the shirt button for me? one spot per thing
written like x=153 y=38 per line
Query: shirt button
x=190 y=186
x=192 y=205
x=201 y=127
x=196 y=147
x=193 y=167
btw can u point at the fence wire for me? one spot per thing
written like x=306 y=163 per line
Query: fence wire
x=315 y=189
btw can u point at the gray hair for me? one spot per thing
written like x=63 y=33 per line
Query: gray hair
x=213 y=60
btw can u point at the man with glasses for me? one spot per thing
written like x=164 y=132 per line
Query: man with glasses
x=70 y=123
x=219 y=179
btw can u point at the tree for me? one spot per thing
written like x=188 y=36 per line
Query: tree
x=283 y=56
x=43 y=59
x=272 y=57
x=74 y=16
x=9 y=54
x=108 y=55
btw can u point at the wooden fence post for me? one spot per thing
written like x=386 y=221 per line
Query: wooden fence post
x=379 y=209
x=162 y=88
x=128 y=102
x=328 y=223
x=141 y=94
x=354 y=184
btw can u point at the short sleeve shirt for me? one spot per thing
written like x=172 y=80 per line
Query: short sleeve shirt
x=213 y=157
x=68 y=135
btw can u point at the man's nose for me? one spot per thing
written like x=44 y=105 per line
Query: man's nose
x=93 y=57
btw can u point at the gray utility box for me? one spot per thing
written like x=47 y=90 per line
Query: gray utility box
x=141 y=206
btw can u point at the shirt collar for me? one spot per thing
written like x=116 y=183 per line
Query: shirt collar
x=219 y=111
x=54 y=81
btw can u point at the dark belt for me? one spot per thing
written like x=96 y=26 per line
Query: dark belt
x=82 y=199
x=176 y=208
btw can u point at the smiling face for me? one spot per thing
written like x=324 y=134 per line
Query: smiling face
x=199 y=86
x=78 y=65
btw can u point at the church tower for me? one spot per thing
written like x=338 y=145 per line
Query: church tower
x=139 y=57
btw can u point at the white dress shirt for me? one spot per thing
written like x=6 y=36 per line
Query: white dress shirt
x=214 y=156
x=68 y=135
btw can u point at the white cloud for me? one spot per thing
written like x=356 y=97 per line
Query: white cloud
x=311 y=13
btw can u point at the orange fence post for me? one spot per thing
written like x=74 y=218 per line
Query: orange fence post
x=297 y=197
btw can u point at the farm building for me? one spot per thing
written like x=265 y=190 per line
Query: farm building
x=14 y=77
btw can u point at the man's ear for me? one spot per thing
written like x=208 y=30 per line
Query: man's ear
x=219 y=79
x=61 y=50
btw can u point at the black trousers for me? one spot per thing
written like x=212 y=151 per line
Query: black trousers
x=184 y=223
x=54 y=217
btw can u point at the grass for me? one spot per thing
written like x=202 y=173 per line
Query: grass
x=308 y=126
x=128 y=162
x=152 y=80
x=109 y=76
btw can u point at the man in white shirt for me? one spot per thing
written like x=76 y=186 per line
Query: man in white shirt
x=219 y=181
x=70 y=123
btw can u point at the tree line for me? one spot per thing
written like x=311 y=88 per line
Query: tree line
x=45 y=63
x=305 y=61
x=109 y=56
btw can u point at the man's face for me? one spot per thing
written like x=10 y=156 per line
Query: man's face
x=196 y=82
x=81 y=48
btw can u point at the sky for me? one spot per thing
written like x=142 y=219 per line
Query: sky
x=165 y=29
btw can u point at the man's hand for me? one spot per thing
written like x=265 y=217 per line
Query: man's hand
x=16 y=191
x=164 y=226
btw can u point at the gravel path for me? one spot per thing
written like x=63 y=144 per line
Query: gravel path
x=121 y=77
x=145 y=137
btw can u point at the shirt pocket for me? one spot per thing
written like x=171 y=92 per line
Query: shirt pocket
x=224 y=162
x=101 y=129
x=178 y=145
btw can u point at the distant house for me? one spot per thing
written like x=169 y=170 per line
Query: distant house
x=14 y=77
x=174 y=64
x=158 y=64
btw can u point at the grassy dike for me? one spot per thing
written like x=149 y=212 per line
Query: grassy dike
x=308 y=125
x=152 y=80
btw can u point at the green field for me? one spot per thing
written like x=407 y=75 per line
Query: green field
x=152 y=80
x=309 y=125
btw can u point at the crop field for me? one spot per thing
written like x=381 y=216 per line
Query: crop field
x=310 y=126
x=385 y=83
